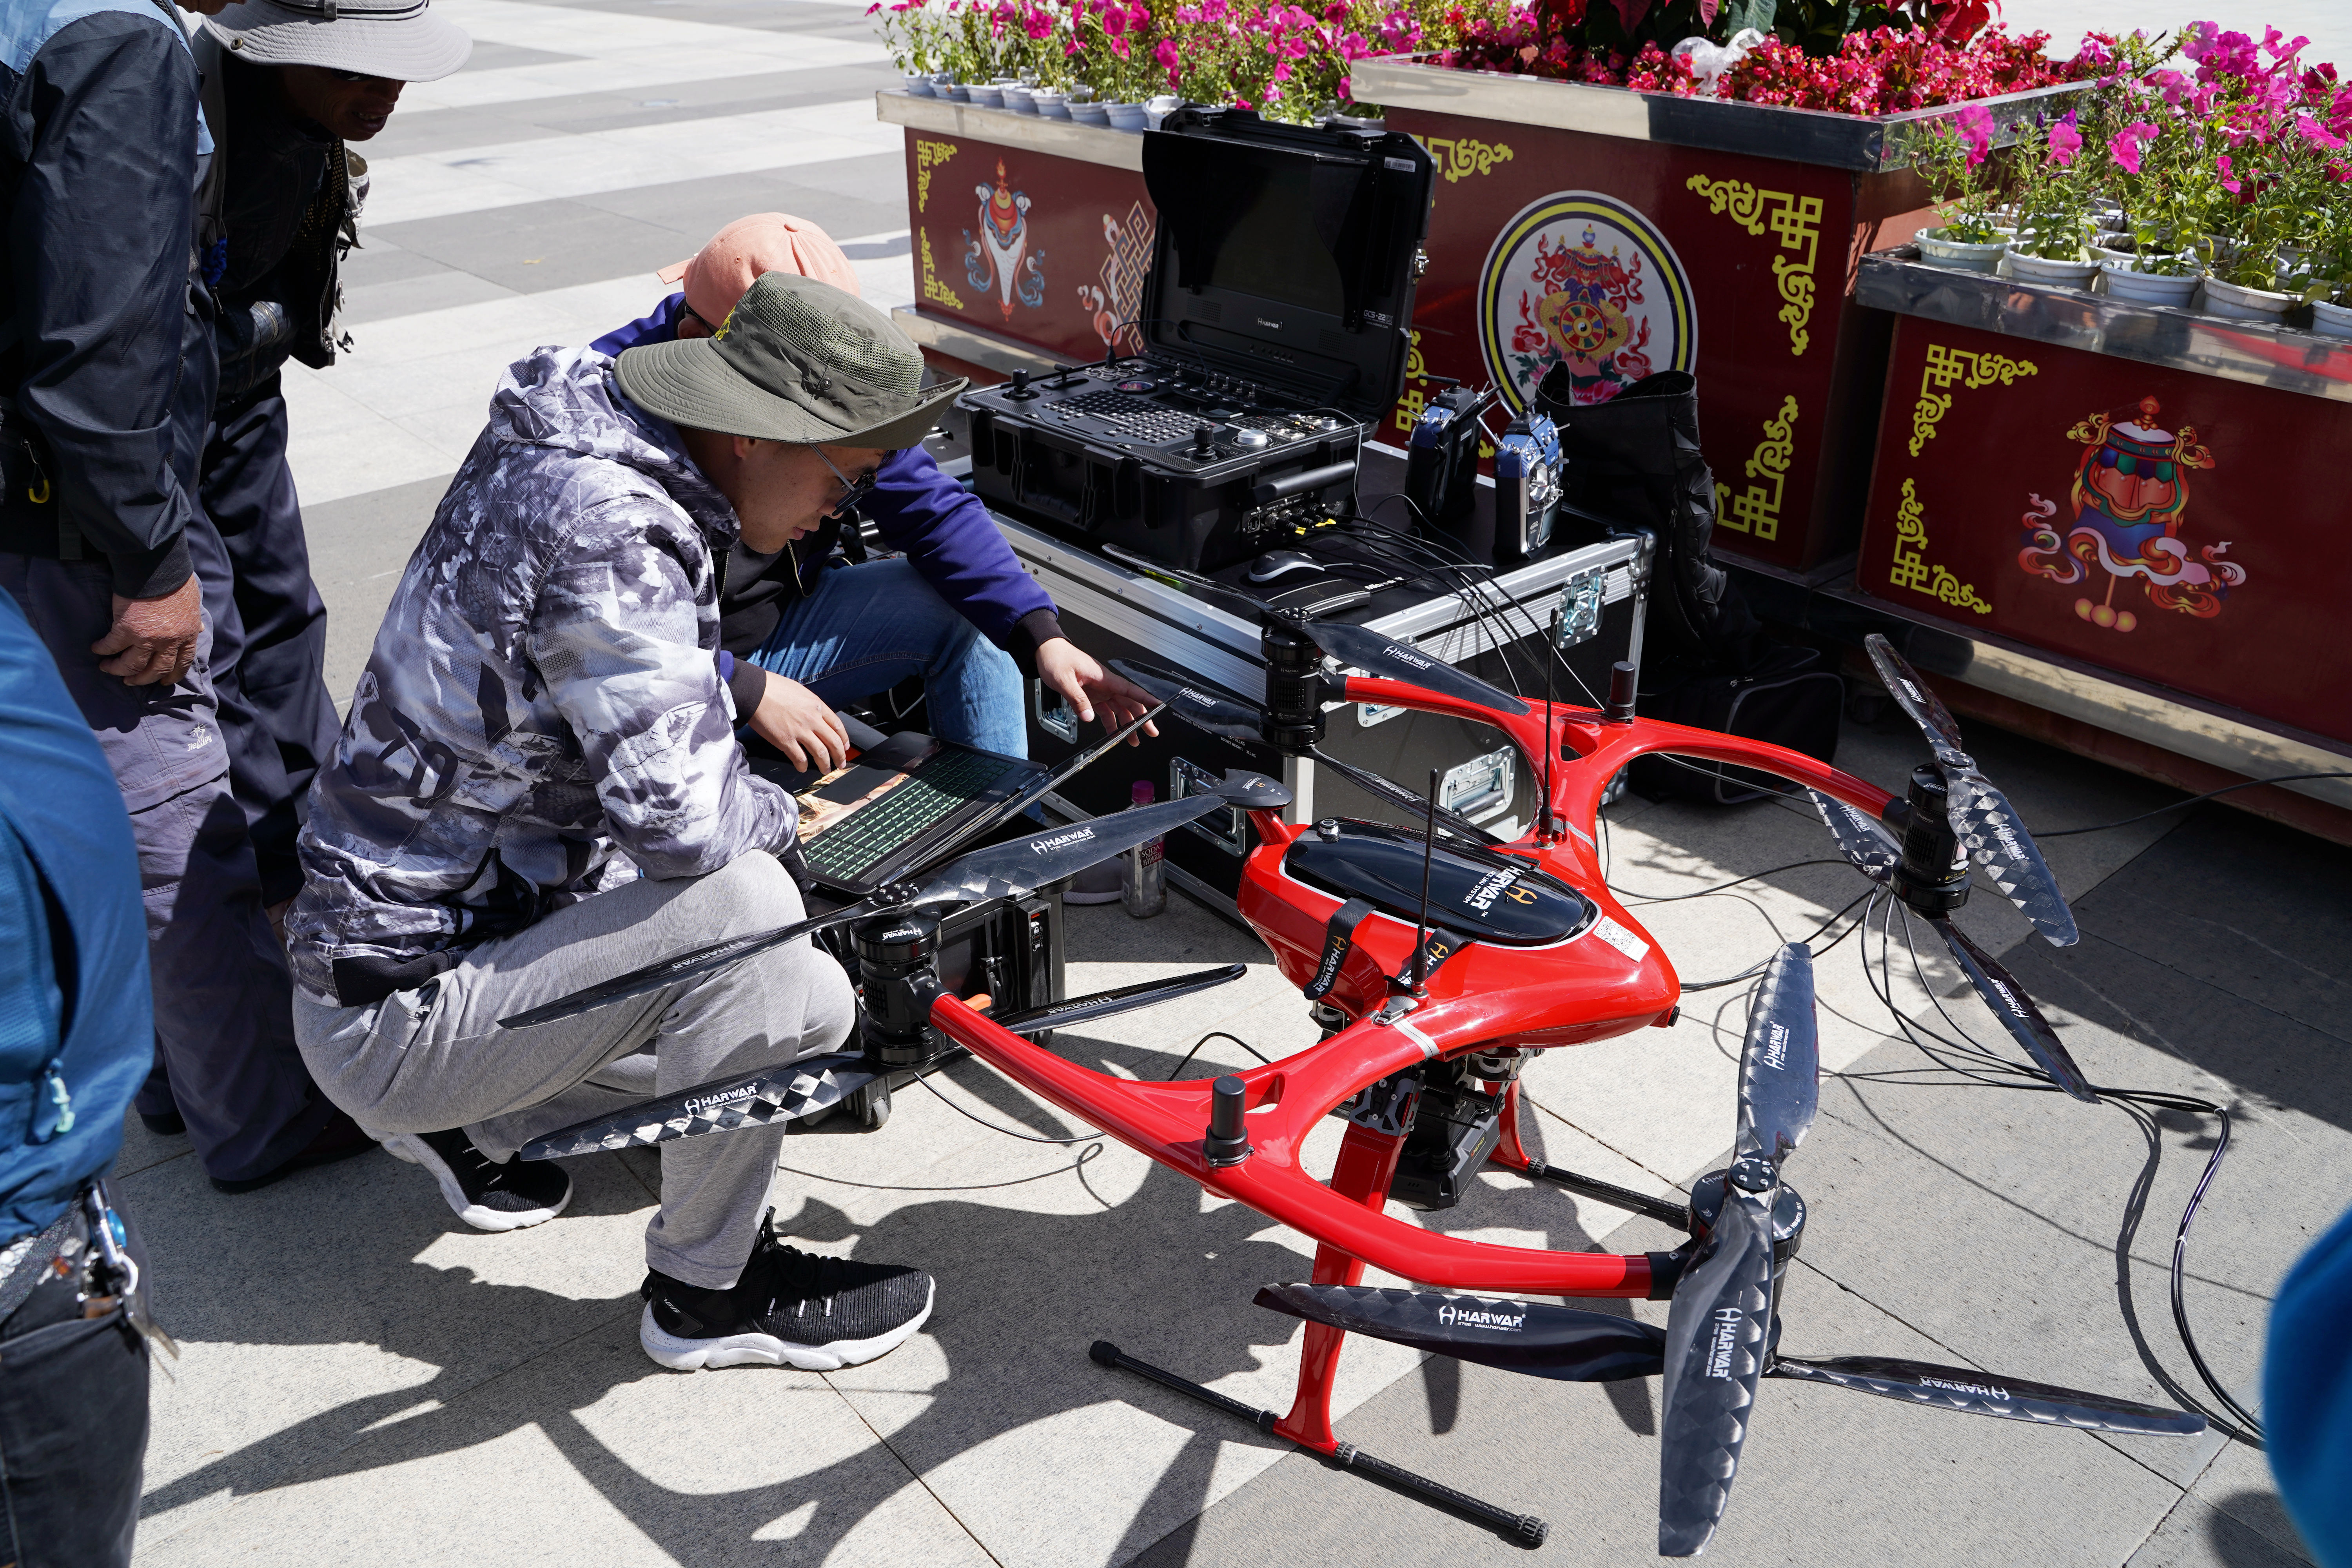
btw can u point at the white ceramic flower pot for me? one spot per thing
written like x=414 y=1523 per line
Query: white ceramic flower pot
x=1052 y=102
x=1021 y=100
x=917 y=83
x=2125 y=280
x=988 y=95
x=1089 y=113
x=2331 y=321
x=1965 y=255
x=1156 y=110
x=1126 y=116
x=953 y=91
x=2236 y=302
x=2049 y=274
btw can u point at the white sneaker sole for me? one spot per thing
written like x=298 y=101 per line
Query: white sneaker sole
x=765 y=1349
x=418 y=1153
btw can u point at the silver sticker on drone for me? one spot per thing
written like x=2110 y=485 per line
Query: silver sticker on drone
x=1617 y=937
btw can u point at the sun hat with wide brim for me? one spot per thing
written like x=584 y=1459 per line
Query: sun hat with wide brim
x=401 y=40
x=797 y=361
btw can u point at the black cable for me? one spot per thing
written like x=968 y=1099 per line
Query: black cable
x=2246 y=1427
x=1758 y=968
x=925 y=1079
x=1204 y=1040
x=1720 y=887
x=2175 y=805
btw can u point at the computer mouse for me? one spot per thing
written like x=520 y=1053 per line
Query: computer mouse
x=1276 y=563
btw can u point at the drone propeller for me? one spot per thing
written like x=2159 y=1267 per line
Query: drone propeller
x=1572 y=1346
x=1008 y=871
x=1977 y=1393
x=1873 y=852
x=1721 y=1315
x=1535 y=1337
x=1982 y=815
x=1359 y=646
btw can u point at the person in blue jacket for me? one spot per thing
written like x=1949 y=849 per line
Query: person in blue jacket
x=2307 y=1396
x=954 y=605
x=75 y=1041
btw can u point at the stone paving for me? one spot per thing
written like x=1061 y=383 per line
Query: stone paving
x=366 y=1381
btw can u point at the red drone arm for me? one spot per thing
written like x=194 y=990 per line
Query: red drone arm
x=1287 y=1100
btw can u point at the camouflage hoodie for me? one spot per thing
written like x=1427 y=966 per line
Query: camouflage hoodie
x=541 y=717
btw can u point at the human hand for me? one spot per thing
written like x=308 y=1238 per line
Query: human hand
x=153 y=641
x=1086 y=686
x=800 y=724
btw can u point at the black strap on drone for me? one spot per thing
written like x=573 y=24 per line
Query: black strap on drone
x=1438 y=945
x=1339 y=937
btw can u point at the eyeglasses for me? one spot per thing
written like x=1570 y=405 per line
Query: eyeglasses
x=852 y=490
x=692 y=315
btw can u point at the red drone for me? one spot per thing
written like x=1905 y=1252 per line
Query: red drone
x=1443 y=960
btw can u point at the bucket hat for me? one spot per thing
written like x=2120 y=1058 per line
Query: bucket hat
x=797 y=361
x=401 y=40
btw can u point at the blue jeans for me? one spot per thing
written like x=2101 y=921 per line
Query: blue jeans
x=862 y=629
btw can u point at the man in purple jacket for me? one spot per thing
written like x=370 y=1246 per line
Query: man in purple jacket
x=954 y=605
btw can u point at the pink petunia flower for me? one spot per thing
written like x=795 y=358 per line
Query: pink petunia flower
x=1975 y=124
x=2228 y=183
x=2064 y=142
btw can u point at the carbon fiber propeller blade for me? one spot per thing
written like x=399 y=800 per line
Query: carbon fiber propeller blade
x=777 y=1094
x=1198 y=706
x=1715 y=1353
x=1982 y=815
x=1403 y=799
x=1008 y=871
x=1385 y=656
x=1911 y=694
x=2016 y=1011
x=1862 y=839
x=1989 y=1393
x=1781 y=1065
x=669 y=971
x=1531 y=1337
x=1986 y=822
x=1021 y=867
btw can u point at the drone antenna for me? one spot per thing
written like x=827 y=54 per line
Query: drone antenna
x=1421 y=924
x=1552 y=736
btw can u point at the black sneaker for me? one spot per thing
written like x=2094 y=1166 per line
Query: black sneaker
x=487 y=1196
x=790 y=1308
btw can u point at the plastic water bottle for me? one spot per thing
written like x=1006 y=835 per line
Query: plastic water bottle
x=1146 y=892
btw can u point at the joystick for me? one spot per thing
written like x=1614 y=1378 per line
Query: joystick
x=1204 y=438
x=1021 y=391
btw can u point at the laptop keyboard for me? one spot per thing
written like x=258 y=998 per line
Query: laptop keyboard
x=953 y=779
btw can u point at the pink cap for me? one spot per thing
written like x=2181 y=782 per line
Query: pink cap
x=716 y=275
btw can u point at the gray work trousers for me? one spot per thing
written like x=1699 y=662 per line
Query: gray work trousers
x=223 y=1023
x=435 y=1057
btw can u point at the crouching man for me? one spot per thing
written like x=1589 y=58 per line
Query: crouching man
x=539 y=787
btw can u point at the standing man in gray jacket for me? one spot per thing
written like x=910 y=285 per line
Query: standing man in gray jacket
x=540 y=787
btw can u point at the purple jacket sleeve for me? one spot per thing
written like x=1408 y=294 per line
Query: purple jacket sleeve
x=946 y=533
x=940 y=527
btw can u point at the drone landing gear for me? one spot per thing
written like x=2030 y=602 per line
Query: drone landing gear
x=1367 y=1164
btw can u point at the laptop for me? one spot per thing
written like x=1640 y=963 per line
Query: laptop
x=890 y=807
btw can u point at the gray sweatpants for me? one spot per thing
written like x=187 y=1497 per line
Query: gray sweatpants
x=434 y=1057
